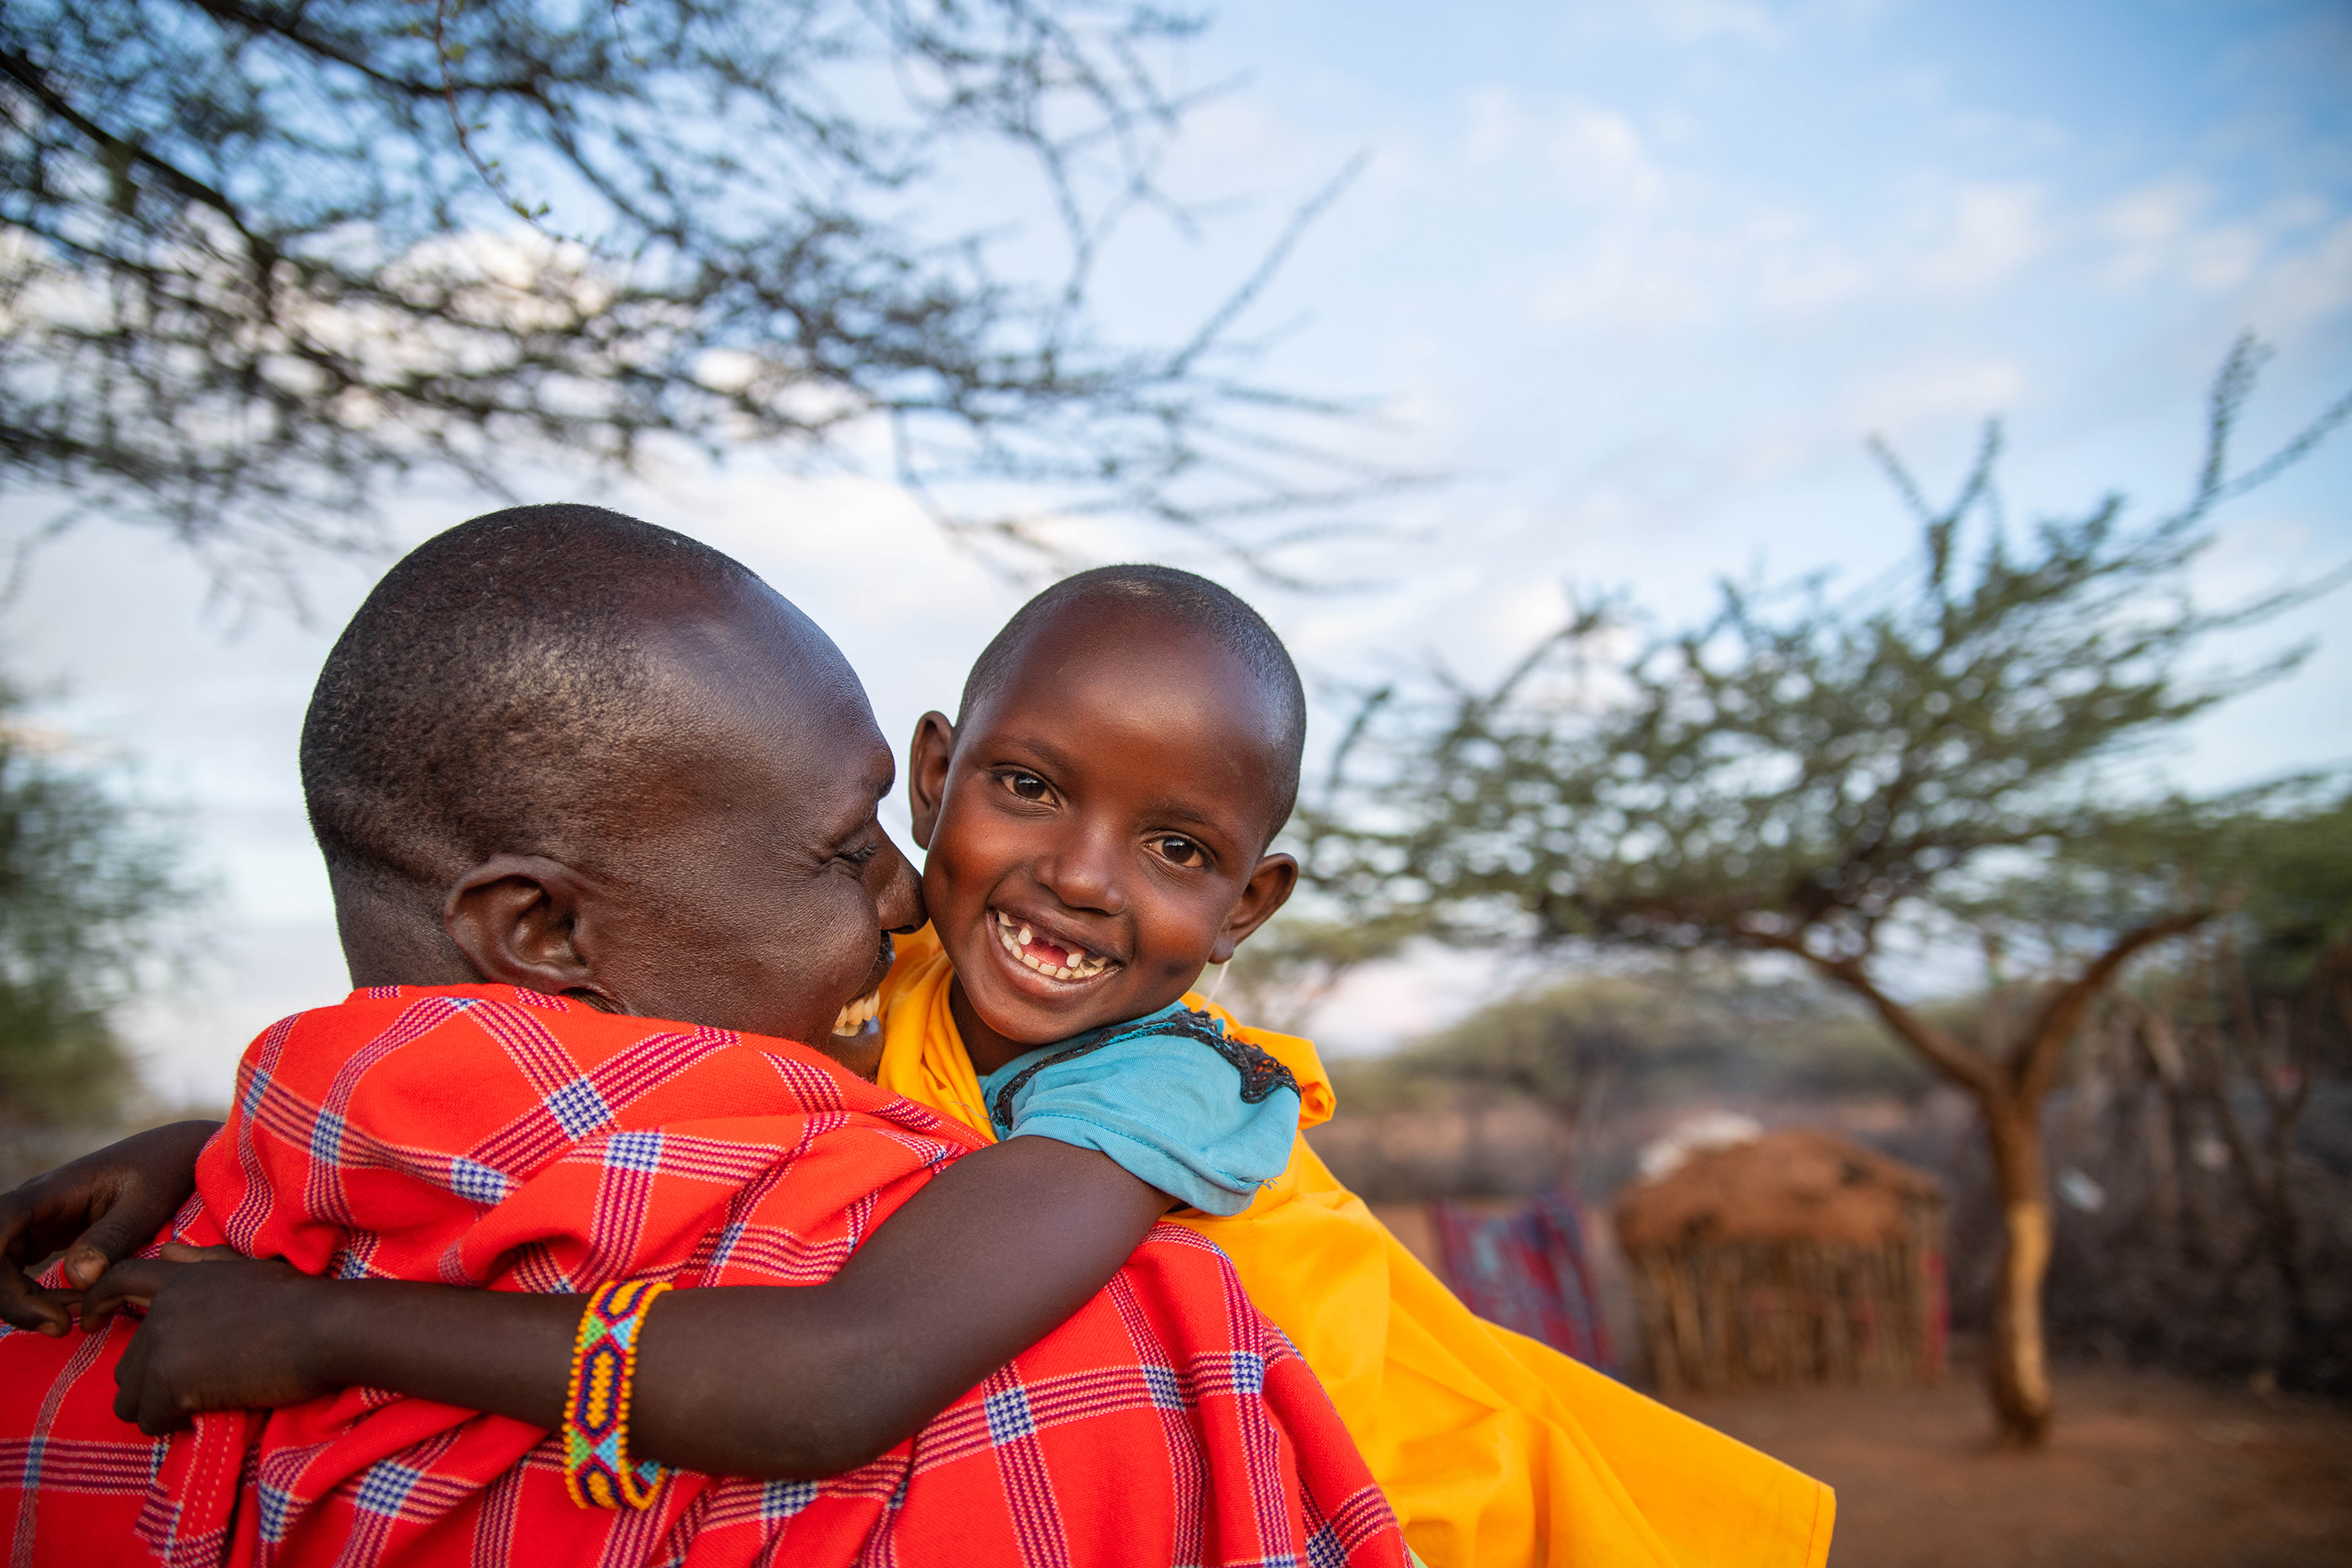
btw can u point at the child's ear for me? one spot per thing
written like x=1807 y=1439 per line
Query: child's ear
x=927 y=756
x=1270 y=887
x=520 y=920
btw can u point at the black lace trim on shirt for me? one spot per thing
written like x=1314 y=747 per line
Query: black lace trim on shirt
x=1000 y=1110
x=1261 y=1073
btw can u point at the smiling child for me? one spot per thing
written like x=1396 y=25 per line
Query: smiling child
x=1097 y=819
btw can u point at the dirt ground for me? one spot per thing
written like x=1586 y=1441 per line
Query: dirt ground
x=2142 y=1468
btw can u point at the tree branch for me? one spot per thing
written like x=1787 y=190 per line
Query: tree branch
x=289 y=26
x=1944 y=1050
x=33 y=80
x=289 y=291
x=2034 y=1060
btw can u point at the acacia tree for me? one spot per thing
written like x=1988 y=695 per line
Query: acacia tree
x=258 y=257
x=1810 y=775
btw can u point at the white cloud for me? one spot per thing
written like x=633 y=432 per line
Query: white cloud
x=1989 y=231
x=2153 y=213
x=2154 y=234
x=1516 y=614
x=1892 y=402
x=2308 y=286
x=2222 y=258
x=1628 y=281
x=1796 y=268
x=1233 y=128
x=1604 y=157
x=1494 y=125
x=2158 y=238
x=1702 y=21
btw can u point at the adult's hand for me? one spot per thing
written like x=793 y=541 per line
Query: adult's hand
x=101 y=1208
x=221 y=1333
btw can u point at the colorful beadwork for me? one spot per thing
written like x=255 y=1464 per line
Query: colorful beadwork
x=596 y=1465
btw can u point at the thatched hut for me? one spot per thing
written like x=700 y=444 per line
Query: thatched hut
x=1790 y=1258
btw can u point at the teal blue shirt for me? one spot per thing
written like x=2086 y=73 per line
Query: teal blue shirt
x=1177 y=1101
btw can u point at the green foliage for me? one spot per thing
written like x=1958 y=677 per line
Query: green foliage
x=2297 y=873
x=2277 y=858
x=1801 y=769
x=90 y=902
x=258 y=259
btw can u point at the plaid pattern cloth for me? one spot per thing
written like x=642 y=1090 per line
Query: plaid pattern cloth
x=488 y=1136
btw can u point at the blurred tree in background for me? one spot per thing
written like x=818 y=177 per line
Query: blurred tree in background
x=258 y=259
x=1829 y=778
x=1594 y=1053
x=92 y=906
x=2218 y=1209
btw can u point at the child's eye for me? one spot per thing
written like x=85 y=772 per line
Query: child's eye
x=1028 y=785
x=1181 y=850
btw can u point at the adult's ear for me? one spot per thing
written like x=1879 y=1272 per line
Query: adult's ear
x=927 y=756
x=525 y=920
x=1269 y=888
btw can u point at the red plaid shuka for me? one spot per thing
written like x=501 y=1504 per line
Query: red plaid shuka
x=485 y=1136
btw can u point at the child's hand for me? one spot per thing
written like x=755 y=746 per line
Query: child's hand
x=221 y=1333
x=100 y=1208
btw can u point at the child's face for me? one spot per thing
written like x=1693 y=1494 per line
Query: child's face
x=1095 y=828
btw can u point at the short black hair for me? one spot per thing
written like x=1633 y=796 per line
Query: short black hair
x=492 y=686
x=1190 y=600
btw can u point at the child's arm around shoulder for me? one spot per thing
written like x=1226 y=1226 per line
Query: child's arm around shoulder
x=778 y=1382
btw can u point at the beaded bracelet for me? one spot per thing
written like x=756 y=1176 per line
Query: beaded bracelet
x=596 y=1467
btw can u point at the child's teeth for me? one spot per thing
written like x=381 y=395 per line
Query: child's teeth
x=1077 y=964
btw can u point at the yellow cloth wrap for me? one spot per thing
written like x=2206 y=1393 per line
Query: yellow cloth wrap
x=1496 y=1451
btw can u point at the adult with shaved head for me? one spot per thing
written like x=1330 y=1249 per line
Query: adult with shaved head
x=564 y=728
x=598 y=809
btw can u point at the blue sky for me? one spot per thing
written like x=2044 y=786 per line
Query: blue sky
x=1645 y=274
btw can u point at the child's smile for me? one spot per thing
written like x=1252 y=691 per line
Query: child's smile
x=1036 y=946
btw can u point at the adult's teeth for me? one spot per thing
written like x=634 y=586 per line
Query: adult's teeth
x=854 y=1018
